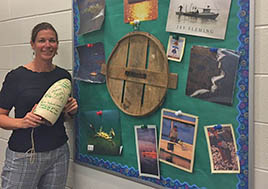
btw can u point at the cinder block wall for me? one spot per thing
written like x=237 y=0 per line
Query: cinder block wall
x=17 y=18
x=261 y=94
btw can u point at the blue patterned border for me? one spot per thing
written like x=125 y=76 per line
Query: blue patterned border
x=242 y=95
x=242 y=108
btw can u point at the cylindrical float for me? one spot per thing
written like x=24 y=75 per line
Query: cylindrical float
x=54 y=100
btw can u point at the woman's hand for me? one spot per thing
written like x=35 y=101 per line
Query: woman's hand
x=71 y=107
x=31 y=120
x=28 y=121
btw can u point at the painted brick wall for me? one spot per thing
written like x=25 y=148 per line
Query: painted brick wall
x=17 y=19
x=260 y=95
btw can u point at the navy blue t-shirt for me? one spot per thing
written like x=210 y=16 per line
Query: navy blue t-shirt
x=22 y=89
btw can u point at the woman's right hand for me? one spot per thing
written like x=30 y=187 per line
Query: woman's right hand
x=31 y=120
x=28 y=121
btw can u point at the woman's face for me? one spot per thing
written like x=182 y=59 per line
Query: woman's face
x=45 y=45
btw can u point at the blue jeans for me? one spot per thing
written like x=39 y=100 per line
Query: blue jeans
x=48 y=171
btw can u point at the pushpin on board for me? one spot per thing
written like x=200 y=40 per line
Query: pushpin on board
x=175 y=36
x=99 y=112
x=135 y=24
x=179 y=112
x=213 y=50
x=144 y=127
x=217 y=127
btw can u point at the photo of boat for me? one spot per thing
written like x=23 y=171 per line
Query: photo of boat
x=205 y=13
x=204 y=18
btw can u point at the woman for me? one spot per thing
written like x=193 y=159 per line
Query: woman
x=37 y=154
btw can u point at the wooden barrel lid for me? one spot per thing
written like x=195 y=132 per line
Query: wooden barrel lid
x=137 y=75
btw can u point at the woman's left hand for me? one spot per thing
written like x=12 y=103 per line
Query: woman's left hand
x=71 y=106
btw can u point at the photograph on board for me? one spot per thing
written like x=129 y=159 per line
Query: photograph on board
x=141 y=10
x=103 y=132
x=212 y=74
x=204 y=18
x=91 y=15
x=146 y=148
x=175 y=48
x=91 y=58
x=222 y=149
x=177 y=139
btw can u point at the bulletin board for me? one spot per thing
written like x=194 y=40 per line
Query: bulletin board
x=95 y=97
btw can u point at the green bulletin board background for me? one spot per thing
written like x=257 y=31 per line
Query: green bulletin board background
x=96 y=97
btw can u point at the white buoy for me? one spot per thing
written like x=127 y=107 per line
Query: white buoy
x=54 y=100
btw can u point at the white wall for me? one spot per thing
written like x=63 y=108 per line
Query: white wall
x=17 y=18
x=260 y=94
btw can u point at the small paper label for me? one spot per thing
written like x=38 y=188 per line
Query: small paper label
x=90 y=147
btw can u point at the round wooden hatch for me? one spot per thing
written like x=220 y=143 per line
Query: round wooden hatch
x=137 y=75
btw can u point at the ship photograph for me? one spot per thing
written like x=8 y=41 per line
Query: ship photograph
x=204 y=18
x=198 y=12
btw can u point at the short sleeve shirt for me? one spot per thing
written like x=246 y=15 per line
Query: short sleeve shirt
x=22 y=89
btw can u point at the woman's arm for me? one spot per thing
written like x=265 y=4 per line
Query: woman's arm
x=9 y=123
